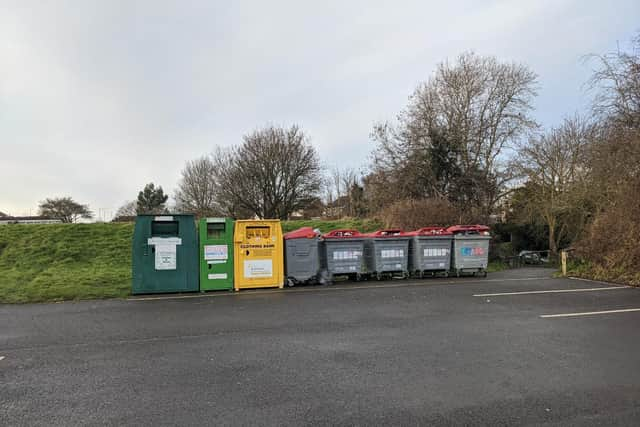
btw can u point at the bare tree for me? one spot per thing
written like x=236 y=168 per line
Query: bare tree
x=616 y=81
x=271 y=175
x=614 y=181
x=482 y=103
x=449 y=139
x=128 y=209
x=197 y=189
x=223 y=160
x=555 y=166
x=339 y=191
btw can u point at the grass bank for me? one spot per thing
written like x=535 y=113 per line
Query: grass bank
x=64 y=261
x=58 y=262
x=612 y=274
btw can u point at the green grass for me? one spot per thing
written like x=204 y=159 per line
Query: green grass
x=497 y=266
x=618 y=275
x=64 y=262
x=58 y=262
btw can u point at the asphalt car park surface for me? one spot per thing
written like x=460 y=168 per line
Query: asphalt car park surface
x=436 y=351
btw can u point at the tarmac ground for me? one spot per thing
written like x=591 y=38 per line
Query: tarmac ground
x=517 y=348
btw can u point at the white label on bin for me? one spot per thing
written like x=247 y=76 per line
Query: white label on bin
x=343 y=255
x=258 y=268
x=163 y=218
x=436 y=252
x=392 y=253
x=216 y=252
x=165 y=257
x=154 y=241
x=217 y=276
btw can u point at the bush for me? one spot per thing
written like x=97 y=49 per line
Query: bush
x=414 y=214
x=610 y=243
x=501 y=251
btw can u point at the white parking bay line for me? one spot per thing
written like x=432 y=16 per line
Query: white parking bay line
x=590 y=313
x=551 y=291
x=1 y=357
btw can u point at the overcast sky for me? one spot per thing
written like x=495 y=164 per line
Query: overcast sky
x=97 y=98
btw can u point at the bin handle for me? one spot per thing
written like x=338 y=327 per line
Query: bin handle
x=431 y=230
x=388 y=232
x=342 y=233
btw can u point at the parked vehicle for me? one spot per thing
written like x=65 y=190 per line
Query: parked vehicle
x=533 y=257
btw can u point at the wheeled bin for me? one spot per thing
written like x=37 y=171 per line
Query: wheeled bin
x=302 y=257
x=164 y=254
x=430 y=251
x=258 y=254
x=386 y=252
x=470 y=249
x=342 y=253
x=216 y=253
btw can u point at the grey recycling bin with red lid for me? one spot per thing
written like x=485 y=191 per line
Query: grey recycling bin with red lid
x=302 y=252
x=342 y=253
x=430 y=251
x=470 y=252
x=386 y=253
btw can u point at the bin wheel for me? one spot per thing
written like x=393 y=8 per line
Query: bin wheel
x=324 y=278
x=290 y=282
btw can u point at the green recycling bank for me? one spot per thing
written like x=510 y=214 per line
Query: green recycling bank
x=216 y=254
x=165 y=254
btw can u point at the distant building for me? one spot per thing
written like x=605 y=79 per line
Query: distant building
x=4 y=220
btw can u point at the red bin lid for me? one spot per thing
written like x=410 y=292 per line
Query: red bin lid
x=301 y=233
x=475 y=228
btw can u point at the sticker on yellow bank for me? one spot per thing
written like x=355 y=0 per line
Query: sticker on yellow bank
x=258 y=268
